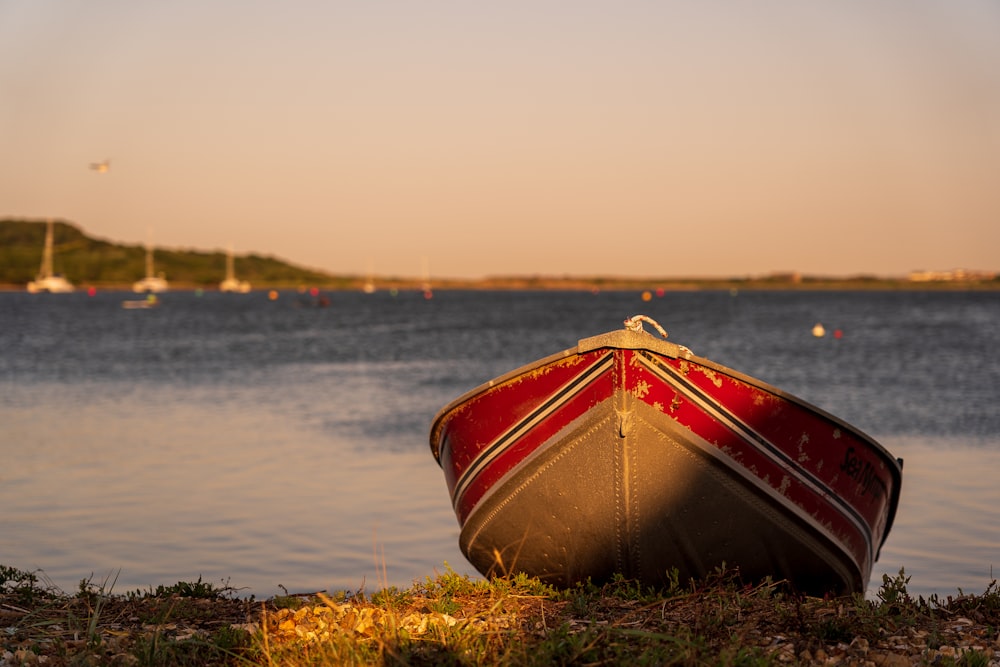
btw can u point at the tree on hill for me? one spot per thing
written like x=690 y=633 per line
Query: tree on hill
x=89 y=261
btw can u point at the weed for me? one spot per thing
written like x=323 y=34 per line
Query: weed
x=893 y=591
x=95 y=596
x=22 y=586
x=392 y=598
x=974 y=658
x=198 y=589
x=288 y=601
x=12 y=579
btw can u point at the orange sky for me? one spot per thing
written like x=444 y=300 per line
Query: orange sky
x=630 y=138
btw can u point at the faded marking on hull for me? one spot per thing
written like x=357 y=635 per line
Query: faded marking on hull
x=641 y=389
x=540 y=371
x=803 y=441
x=712 y=376
x=734 y=455
x=786 y=481
x=549 y=368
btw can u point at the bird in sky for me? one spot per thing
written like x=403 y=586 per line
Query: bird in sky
x=101 y=167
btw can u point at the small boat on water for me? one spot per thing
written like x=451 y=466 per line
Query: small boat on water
x=141 y=304
x=47 y=280
x=231 y=284
x=630 y=455
x=150 y=284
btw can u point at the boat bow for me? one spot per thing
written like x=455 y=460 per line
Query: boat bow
x=629 y=454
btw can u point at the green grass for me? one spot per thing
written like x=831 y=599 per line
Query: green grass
x=452 y=619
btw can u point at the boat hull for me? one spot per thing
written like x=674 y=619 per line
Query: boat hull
x=50 y=284
x=150 y=285
x=630 y=455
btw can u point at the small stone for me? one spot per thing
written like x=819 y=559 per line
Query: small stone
x=859 y=646
x=890 y=660
x=786 y=653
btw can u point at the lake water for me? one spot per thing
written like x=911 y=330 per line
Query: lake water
x=275 y=445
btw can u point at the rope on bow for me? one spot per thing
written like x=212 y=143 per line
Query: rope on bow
x=634 y=323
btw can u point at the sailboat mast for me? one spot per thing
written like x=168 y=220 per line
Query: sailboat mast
x=47 y=253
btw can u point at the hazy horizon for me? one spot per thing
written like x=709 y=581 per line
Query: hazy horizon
x=505 y=276
x=550 y=139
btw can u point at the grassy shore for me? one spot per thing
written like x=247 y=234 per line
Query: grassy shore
x=450 y=619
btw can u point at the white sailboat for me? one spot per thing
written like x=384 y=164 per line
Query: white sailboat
x=425 y=281
x=47 y=281
x=150 y=284
x=369 y=286
x=231 y=284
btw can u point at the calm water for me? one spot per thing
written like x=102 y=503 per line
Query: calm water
x=274 y=444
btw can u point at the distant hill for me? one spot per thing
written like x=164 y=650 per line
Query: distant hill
x=85 y=260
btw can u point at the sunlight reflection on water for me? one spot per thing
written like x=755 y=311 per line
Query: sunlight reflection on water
x=947 y=530
x=177 y=489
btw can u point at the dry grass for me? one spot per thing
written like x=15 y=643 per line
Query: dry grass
x=453 y=620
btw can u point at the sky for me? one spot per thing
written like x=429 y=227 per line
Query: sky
x=538 y=137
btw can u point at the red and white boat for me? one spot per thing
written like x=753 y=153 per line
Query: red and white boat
x=628 y=454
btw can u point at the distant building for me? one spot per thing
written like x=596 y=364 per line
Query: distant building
x=785 y=276
x=955 y=275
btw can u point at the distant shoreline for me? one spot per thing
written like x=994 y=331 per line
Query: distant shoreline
x=597 y=284
x=104 y=265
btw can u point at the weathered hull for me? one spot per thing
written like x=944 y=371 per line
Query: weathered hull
x=630 y=455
